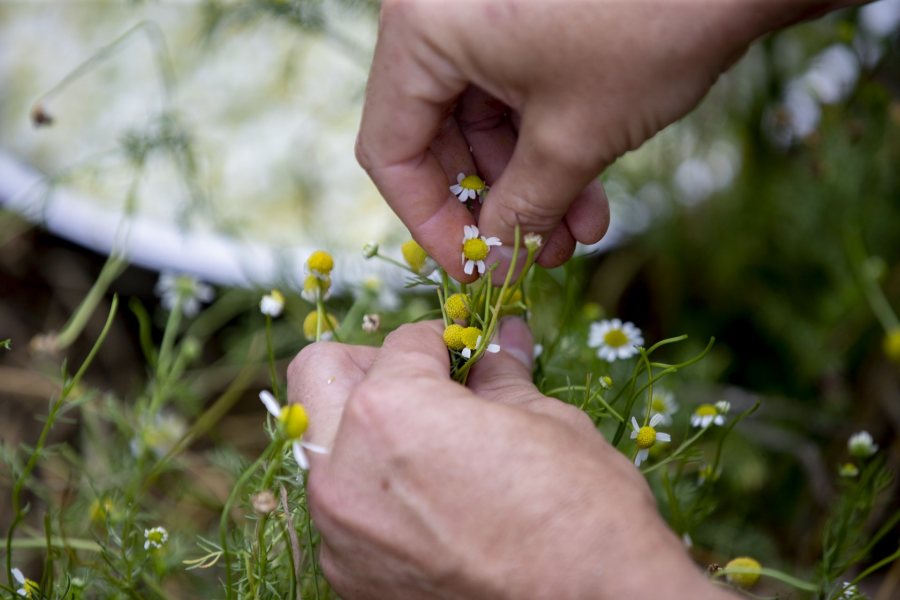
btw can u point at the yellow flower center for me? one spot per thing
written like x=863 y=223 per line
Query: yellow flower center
x=646 y=437
x=320 y=262
x=311 y=324
x=314 y=283
x=615 y=338
x=472 y=182
x=277 y=296
x=414 y=255
x=470 y=337
x=751 y=567
x=892 y=345
x=658 y=404
x=294 y=420
x=706 y=410
x=155 y=537
x=457 y=307
x=32 y=589
x=475 y=249
x=453 y=337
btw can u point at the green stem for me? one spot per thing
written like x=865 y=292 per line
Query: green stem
x=113 y=267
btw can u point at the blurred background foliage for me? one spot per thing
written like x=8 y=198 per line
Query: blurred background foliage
x=769 y=259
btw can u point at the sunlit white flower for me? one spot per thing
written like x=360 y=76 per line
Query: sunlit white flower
x=272 y=304
x=861 y=445
x=614 y=339
x=663 y=403
x=155 y=537
x=174 y=289
x=294 y=421
x=475 y=249
x=645 y=437
x=29 y=587
x=467 y=187
x=706 y=415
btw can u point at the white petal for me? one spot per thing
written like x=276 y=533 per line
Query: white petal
x=18 y=575
x=655 y=419
x=493 y=241
x=481 y=267
x=460 y=177
x=466 y=353
x=470 y=266
x=270 y=403
x=719 y=420
x=470 y=194
x=461 y=196
x=616 y=323
x=663 y=437
x=641 y=456
x=315 y=448
x=455 y=190
x=635 y=425
x=300 y=456
x=493 y=348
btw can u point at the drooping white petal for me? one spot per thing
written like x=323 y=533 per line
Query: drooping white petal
x=655 y=419
x=634 y=425
x=18 y=575
x=641 y=456
x=300 y=456
x=493 y=241
x=663 y=437
x=466 y=353
x=493 y=348
x=315 y=448
x=481 y=267
x=460 y=177
x=469 y=267
x=270 y=403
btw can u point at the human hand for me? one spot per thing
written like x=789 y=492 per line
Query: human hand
x=538 y=97
x=434 y=490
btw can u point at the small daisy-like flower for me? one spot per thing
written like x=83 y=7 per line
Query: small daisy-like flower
x=29 y=589
x=457 y=307
x=663 y=403
x=311 y=326
x=723 y=406
x=747 y=571
x=471 y=338
x=320 y=264
x=370 y=250
x=184 y=290
x=467 y=187
x=533 y=241
x=294 y=421
x=614 y=339
x=272 y=304
x=453 y=337
x=848 y=470
x=849 y=592
x=371 y=323
x=417 y=259
x=706 y=415
x=475 y=249
x=155 y=537
x=892 y=344
x=316 y=287
x=861 y=445
x=645 y=437
x=606 y=382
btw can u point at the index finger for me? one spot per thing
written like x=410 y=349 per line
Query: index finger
x=407 y=98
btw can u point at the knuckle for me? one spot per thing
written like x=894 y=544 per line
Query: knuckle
x=363 y=155
x=528 y=212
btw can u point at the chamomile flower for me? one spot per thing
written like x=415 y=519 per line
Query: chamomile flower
x=471 y=339
x=320 y=264
x=311 y=326
x=861 y=445
x=155 y=537
x=475 y=249
x=467 y=187
x=417 y=259
x=747 y=571
x=294 y=421
x=614 y=339
x=457 y=307
x=706 y=415
x=316 y=287
x=184 y=291
x=645 y=437
x=272 y=304
x=29 y=589
x=663 y=403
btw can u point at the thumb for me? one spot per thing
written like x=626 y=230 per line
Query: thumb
x=506 y=376
x=550 y=167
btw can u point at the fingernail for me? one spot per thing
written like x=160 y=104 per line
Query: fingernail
x=503 y=257
x=516 y=340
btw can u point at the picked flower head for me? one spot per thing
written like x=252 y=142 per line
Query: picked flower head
x=316 y=287
x=475 y=249
x=471 y=339
x=294 y=422
x=662 y=402
x=614 y=339
x=416 y=257
x=272 y=304
x=457 y=307
x=155 y=537
x=645 y=437
x=747 y=571
x=467 y=187
x=29 y=589
x=320 y=263
x=533 y=241
x=861 y=445
x=706 y=415
x=184 y=291
x=453 y=337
